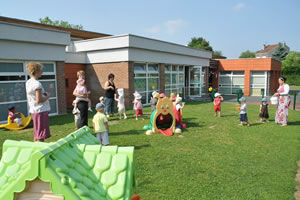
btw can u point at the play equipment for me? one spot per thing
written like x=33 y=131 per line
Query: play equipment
x=14 y=126
x=274 y=100
x=75 y=167
x=162 y=119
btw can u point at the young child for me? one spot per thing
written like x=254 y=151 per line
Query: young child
x=82 y=89
x=217 y=104
x=76 y=114
x=121 y=103
x=243 y=112
x=100 y=124
x=102 y=100
x=14 y=117
x=153 y=100
x=264 y=110
x=178 y=112
x=138 y=106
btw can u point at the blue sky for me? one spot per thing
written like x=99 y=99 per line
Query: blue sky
x=229 y=25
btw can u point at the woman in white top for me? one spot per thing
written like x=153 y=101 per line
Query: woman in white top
x=283 y=102
x=39 y=105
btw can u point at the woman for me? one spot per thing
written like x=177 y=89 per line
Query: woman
x=39 y=105
x=110 y=91
x=82 y=105
x=283 y=102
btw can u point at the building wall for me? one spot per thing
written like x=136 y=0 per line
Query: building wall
x=96 y=75
x=61 y=87
x=70 y=81
x=161 y=78
x=248 y=65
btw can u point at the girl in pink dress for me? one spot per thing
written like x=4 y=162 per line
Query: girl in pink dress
x=283 y=102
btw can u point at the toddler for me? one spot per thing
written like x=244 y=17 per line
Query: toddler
x=264 y=110
x=76 y=114
x=14 y=117
x=100 y=124
x=81 y=89
x=243 y=112
x=121 y=103
x=138 y=106
x=153 y=100
x=217 y=103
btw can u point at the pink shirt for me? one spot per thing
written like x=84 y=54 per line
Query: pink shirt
x=217 y=101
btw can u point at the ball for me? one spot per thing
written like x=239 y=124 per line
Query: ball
x=149 y=132
x=178 y=130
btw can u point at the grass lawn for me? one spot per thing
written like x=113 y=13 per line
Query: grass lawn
x=295 y=87
x=216 y=158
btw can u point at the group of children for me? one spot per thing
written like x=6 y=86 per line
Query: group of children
x=263 y=109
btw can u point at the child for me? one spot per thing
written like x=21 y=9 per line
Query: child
x=138 y=106
x=178 y=112
x=154 y=100
x=217 y=103
x=14 y=117
x=264 y=111
x=82 y=90
x=100 y=124
x=102 y=100
x=76 y=114
x=38 y=102
x=243 y=112
x=121 y=103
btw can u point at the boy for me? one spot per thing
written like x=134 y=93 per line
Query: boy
x=243 y=112
x=217 y=103
x=14 y=117
x=100 y=124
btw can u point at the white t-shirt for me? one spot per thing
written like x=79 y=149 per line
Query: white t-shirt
x=243 y=108
x=31 y=86
x=178 y=106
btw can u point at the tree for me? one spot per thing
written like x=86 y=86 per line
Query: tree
x=200 y=43
x=217 y=53
x=247 y=54
x=291 y=68
x=280 y=52
x=60 y=23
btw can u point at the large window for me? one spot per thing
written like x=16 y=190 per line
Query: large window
x=196 y=81
x=174 y=80
x=231 y=81
x=13 y=76
x=146 y=80
x=258 y=83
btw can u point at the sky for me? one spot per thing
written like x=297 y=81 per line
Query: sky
x=231 y=26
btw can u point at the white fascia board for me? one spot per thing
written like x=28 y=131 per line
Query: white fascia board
x=143 y=55
x=158 y=45
x=112 y=55
x=17 y=32
x=17 y=50
x=97 y=44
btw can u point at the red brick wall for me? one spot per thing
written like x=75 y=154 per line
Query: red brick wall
x=161 y=71
x=96 y=75
x=61 y=87
x=70 y=78
x=248 y=65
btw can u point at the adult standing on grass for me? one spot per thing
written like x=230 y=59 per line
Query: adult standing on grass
x=39 y=105
x=82 y=106
x=110 y=91
x=283 y=102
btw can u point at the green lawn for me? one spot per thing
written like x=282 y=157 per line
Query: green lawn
x=295 y=87
x=216 y=158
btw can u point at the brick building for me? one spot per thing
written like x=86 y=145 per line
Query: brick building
x=139 y=64
x=252 y=75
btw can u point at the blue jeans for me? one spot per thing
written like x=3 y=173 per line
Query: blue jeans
x=109 y=106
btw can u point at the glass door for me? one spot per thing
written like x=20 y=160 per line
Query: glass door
x=195 y=81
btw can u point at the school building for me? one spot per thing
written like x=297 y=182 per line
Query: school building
x=253 y=76
x=139 y=64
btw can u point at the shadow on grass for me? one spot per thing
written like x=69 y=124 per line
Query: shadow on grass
x=129 y=132
x=294 y=123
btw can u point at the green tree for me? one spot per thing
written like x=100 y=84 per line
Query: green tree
x=291 y=68
x=60 y=23
x=217 y=53
x=280 y=52
x=247 y=54
x=200 y=43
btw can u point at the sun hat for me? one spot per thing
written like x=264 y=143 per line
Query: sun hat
x=154 y=93
x=10 y=107
x=242 y=99
x=162 y=95
x=100 y=105
x=178 y=100
x=264 y=100
x=101 y=99
x=217 y=94
x=138 y=96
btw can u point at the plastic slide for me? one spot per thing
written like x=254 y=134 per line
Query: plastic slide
x=14 y=126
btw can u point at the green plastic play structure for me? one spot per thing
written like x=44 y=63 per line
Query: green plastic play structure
x=76 y=167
